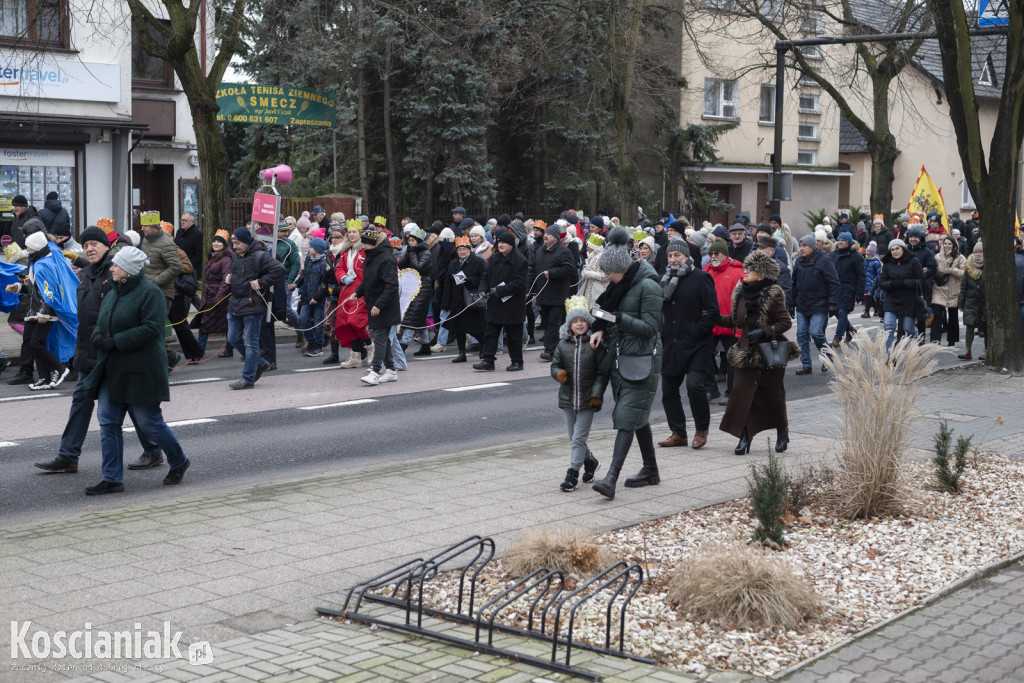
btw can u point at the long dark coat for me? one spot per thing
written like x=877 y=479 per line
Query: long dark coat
x=421 y=260
x=510 y=273
x=901 y=281
x=758 y=398
x=215 y=318
x=380 y=287
x=687 y=319
x=471 y=321
x=133 y=313
x=562 y=273
x=850 y=270
x=972 y=295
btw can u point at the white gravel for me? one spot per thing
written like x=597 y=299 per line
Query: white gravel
x=866 y=571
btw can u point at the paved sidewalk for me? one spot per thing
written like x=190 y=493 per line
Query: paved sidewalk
x=245 y=569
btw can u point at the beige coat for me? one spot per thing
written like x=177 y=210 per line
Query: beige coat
x=946 y=295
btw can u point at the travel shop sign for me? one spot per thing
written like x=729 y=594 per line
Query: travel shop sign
x=275 y=104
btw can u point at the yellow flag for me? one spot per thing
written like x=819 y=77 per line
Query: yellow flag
x=926 y=198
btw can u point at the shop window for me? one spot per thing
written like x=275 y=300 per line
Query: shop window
x=24 y=23
x=148 y=71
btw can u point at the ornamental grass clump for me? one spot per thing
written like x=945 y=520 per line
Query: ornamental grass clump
x=743 y=586
x=878 y=393
x=571 y=551
x=947 y=474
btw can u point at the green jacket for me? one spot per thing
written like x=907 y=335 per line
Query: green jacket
x=636 y=333
x=288 y=254
x=586 y=369
x=133 y=313
x=164 y=262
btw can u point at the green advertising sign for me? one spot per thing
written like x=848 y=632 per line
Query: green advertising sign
x=275 y=104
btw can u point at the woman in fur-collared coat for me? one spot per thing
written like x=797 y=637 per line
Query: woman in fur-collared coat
x=758 y=398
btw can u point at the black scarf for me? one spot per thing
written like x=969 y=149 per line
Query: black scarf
x=751 y=291
x=611 y=298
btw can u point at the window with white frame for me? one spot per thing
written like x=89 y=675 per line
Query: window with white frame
x=808 y=130
x=719 y=98
x=811 y=51
x=810 y=103
x=966 y=200
x=807 y=79
x=807 y=157
x=812 y=23
x=766 y=105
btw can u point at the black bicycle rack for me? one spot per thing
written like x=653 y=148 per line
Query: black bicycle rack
x=549 y=598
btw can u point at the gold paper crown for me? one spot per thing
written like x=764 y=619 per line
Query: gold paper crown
x=149 y=218
x=539 y=225
x=353 y=224
x=380 y=221
x=639 y=235
x=577 y=302
x=106 y=225
x=167 y=227
x=223 y=234
x=596 y=240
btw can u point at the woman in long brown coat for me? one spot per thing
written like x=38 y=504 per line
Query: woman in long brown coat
x=758 y=398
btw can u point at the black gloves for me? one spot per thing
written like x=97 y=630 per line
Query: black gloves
x=833 y=310
x=104 y=343
x=756 y=335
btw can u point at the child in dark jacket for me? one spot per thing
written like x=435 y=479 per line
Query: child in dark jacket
x=312 y=286
x=582 y=372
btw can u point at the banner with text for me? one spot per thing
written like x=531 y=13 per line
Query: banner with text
x=275 y=104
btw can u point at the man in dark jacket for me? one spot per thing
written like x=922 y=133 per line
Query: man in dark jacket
x=739 y=244
x=54 y=216
x=94 y=269
x=253 y=272
x=189 y=239
x=554 y=265
x=22 y=212
x=917 y=246
x=379 y=292
x=505 y=283
x=850 y=270
x=688 y=317
x=816 y=293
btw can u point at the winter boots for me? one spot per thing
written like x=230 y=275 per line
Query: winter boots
x=571 y=480
x=648 y=474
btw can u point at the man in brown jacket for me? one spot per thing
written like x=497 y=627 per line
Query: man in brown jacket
x=164 y=265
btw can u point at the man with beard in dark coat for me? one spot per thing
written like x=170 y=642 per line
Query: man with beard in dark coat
x=688 y=318
x=95 y=267
x=506 y=284
x=554 y=264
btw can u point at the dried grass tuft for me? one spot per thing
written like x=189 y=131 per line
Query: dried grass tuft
x=571 y=551
x=878 y=394
x=744 y=585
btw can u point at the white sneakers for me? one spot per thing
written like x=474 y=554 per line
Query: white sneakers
x=438 y=348
x=372 y=379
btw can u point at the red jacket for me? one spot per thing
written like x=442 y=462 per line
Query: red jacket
x=725 y=276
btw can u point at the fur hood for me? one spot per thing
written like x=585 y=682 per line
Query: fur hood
x=973 y=271
x=763 y=264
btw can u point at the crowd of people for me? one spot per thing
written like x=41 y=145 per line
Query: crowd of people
x=626 y=306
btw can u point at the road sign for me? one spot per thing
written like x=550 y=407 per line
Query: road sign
x=994 y=13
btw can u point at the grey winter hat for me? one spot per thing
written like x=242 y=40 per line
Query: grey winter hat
x=131 y=260
x=809 y=241
x=678 y=245
x=897 y=243
x=699 y=238
x=553 y=230
x=615 y=258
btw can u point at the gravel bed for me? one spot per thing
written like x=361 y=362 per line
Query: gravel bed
x=866 y=571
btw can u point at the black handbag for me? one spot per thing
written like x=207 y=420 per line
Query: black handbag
x=186 y=284
x=774 y=354
x=635 y=368
x=474 y=301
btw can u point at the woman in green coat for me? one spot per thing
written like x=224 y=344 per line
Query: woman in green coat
x=633 y=300
x=131 y=370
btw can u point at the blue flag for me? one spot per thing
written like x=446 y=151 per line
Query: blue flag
x=58 y=284
x=8 y=276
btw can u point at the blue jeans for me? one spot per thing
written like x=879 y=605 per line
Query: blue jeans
x=397 y=354
x=149 y=423
x=842 y=324
x=78 y=425
x=442 y=332
x=244 y=335
x=312 y=315
x=810 y=327
x=409 y=334
x=889 y=324
x=578 y=426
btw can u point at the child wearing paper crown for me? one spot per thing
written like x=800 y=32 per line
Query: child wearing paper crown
x=583 y=375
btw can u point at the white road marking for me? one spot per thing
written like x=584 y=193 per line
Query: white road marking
x=197 y=381
x=179 y=423
x=31 y=396
x=5 y=444
x=354 y=402
x=479 y=386
x=332 y=366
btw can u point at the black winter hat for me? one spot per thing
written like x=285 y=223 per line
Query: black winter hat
x=19 y=200
x=775 y=217
x=504 y=219
x=94 y=234
x=506 y=236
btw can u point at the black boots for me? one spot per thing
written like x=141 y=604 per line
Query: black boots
x=485 y=364
x=461 y=358
x=424 y=350
x=590 y=465
x=648 y=474
x=571 y=480
x=743 y=447
x=333 y=358
x=606 y=487
x=782 y=442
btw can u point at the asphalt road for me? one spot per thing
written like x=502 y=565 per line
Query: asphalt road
x=260 y=447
